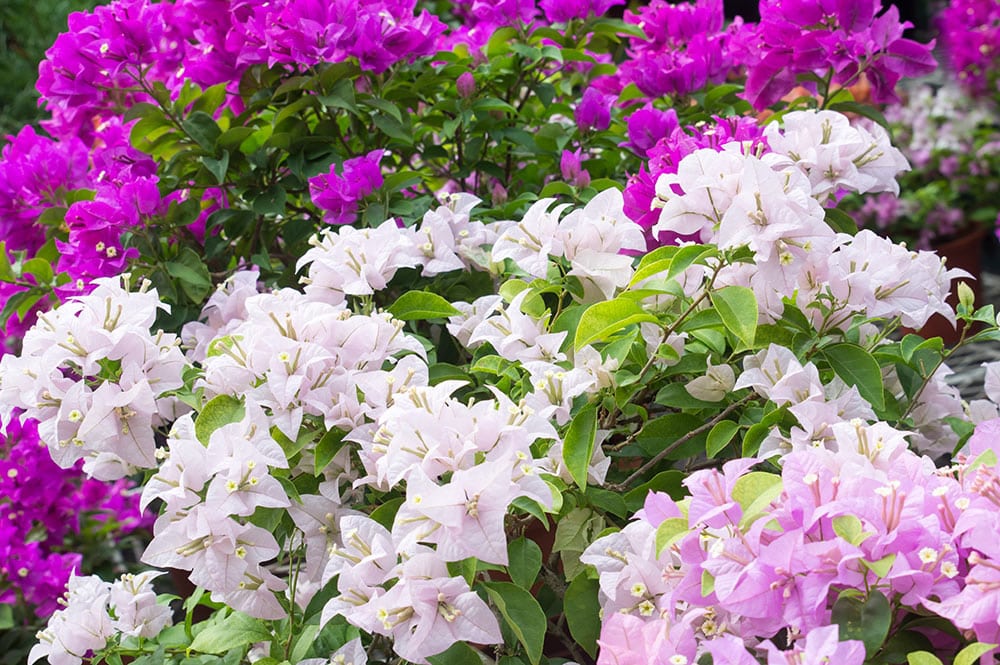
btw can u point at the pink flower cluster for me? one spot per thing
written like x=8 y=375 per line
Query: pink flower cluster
x=38 y=173
x=208 y=491
x=864 y=513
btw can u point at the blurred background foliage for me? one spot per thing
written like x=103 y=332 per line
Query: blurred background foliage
x=27 y=29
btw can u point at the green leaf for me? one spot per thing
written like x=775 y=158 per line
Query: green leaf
x=671 y=260
x=6 y=271
x=582 y=610
x=271 y=201
x=19 y=302
x=236 y=630
x=737 y=305
x=217 y=166
x=754 y=492
x=901 y=643
x=849 y=528
x=40 y=268
x=421 y=305
x=858 y=368
x=327 y=448
x=866 y=620
x=524 y=561
x=719 y=436
x=670 y=482
x=393 y=128
x=192 y=273
x=201 y=127
x=6 y=617
x=578 y=444
x=603 y=319
x=669 y=531
x=303 y=640
x=522 y=614
x=707 y=583
x=923 y=658
x=459 y=653
x=882 y=566
x=970 y=654
x=386 y=513
x=219 y=411
x=840 y=221
x=609 y=502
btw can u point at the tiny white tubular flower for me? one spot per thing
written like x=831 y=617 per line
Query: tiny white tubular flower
x=717 y=382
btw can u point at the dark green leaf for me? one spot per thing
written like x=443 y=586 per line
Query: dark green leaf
x=670 y=481
x=201 y=127
x=578 y=444
x=582 y=611
x=522 y=614
x=719 y=436
x=858 y=368
x=217 y=166
x=525 y=560
x=840 y=221
x=271 y=201
x=867 y=110
x=459 y=653
x=866 y=620
x=327 y=448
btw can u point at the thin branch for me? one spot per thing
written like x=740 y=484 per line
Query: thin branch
x=656 y=459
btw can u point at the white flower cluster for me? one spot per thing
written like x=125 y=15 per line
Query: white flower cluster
x=95 y=611
x=97 y=380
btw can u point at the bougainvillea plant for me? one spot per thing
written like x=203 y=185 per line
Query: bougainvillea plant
x=495 y=332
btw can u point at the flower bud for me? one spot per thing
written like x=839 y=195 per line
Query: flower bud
x=466 y=85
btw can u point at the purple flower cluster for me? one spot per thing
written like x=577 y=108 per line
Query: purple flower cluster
x=109 y=57
x=847 y=40
x=41 y=506
x=660 y=138
x=126 y=194
x=687 y=48
x=93 y=70
x=563 y=11
x=35 y=174
x=338 y=194
x=379 y=33
x=970 y=32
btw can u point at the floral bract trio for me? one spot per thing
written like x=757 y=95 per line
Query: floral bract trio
x=491 y=332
